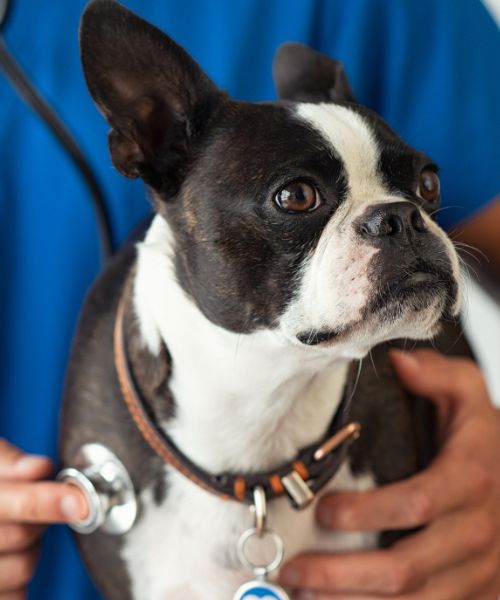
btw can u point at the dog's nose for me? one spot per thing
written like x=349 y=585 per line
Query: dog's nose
x=392 y=219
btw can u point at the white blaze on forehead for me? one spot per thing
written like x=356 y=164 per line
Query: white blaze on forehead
x=353 y=142
x=335 y=284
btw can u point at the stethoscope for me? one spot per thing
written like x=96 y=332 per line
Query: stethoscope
x=30 y=95
x=99 y=474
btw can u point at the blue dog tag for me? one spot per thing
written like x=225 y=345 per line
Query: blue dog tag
x=260 y=590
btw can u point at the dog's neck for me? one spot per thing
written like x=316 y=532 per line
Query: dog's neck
x=242 y=401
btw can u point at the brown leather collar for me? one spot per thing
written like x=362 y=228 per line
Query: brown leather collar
x=301 y=479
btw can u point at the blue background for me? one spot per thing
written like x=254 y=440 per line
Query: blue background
x=430 y=68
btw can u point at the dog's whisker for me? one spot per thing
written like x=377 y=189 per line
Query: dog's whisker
x=467 y=247
x=467 y=267
x=442 y=208
x=373 y=364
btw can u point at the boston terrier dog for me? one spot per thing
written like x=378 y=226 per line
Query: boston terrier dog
x=289 y=239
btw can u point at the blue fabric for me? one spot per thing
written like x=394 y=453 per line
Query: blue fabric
x=430 y=68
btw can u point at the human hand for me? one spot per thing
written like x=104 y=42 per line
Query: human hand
x=456 y=556
x=26 y=503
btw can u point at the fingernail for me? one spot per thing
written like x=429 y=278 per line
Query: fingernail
x=28 y=464
x=333 y=513
x=406 y=358
x=71 y=508
x=290 y=576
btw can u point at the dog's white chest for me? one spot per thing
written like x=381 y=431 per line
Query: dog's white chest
x=242 y=403
x=186 y=547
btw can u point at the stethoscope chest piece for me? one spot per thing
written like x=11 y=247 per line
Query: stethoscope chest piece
x=108 y=488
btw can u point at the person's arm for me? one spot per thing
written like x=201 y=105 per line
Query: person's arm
x=456 y=501
x=482 y=232
x=26 y=504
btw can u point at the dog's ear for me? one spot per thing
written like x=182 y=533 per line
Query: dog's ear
x=153 y=94
x=303 y=75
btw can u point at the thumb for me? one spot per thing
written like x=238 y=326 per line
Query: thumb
x=429 y=373
x=454 y=384
x=17 y=465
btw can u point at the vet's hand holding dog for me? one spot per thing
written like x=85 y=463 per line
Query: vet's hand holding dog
x=319 y=242
x=27 y=504
x=457 y=501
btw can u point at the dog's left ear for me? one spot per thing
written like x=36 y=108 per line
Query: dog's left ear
x=303 y=75
x=155 y=97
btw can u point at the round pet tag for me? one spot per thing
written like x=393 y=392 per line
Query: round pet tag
x=260 y=590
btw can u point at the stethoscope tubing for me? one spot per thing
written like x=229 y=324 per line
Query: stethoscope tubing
x=30 y=95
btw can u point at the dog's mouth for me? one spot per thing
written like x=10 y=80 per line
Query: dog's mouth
x=416 y=290
x=314 y=337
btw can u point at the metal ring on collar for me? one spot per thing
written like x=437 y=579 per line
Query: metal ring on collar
x=259 y=509
x=260 y=570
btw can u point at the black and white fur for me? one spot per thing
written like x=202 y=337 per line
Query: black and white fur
x=243 y=319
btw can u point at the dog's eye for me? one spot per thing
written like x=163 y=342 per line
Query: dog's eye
x=428 y=186
x=297 y=196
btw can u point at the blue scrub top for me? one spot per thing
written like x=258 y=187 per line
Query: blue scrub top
x=431 y=69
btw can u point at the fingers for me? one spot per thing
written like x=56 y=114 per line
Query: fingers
x=16 y=465
x=404 y=567
x=443 y=545
x=16 y=570
x=455 y=556
x=346 y=573
x=410 y=503
x=461 y=475
x=463 y=582
x=23 y=500
x=407 y=504
x=41 y=502
x=15 y=537
x=433 y=375
x=13 y=596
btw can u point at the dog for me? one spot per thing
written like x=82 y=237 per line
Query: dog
x=289 y=239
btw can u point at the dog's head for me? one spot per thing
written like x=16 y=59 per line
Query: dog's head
x=309 y=216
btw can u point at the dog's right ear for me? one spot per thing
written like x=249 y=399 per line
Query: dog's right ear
x=153 y=94
x=303 y=75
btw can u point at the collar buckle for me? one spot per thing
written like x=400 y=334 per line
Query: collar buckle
x=299 y=491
